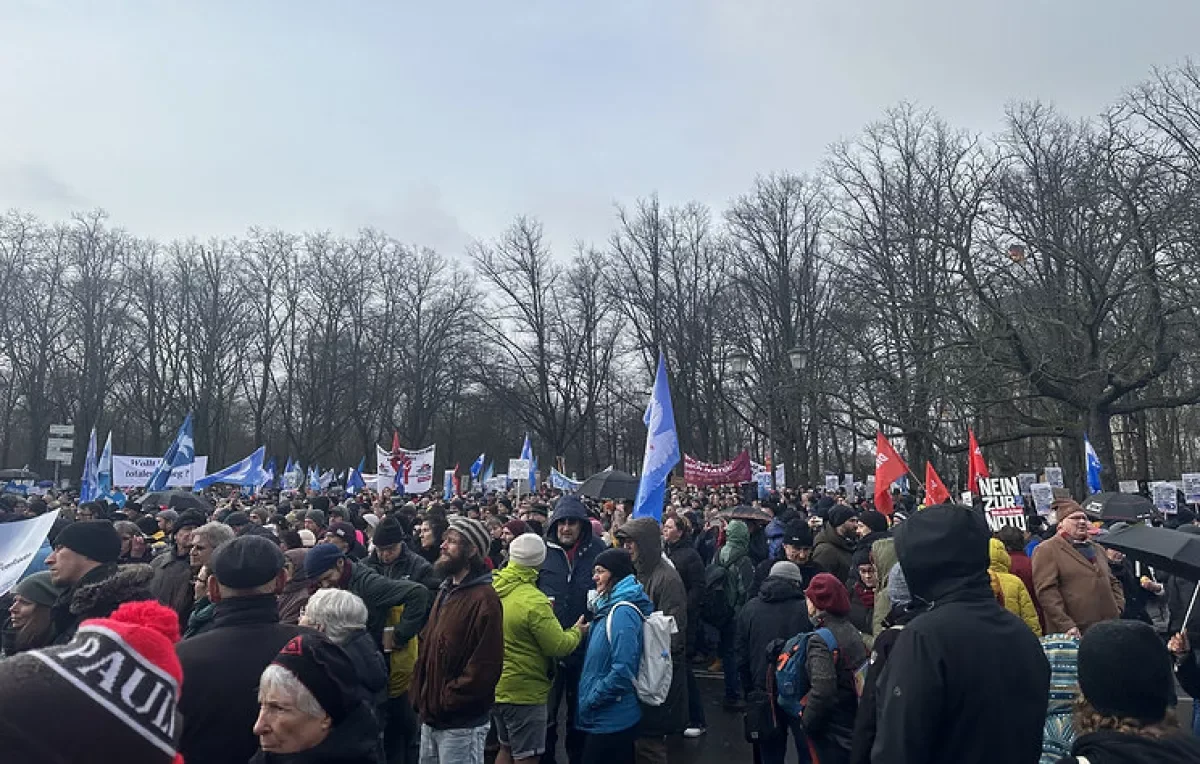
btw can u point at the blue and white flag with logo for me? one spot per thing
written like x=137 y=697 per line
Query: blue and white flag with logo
x=1093 y=466
x=181 y=452
x=89 y=484
x=477 y=467
x=248 y=472
x=662 y=447
x=104 y=475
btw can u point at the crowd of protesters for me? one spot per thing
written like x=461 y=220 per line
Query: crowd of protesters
x=324 y=627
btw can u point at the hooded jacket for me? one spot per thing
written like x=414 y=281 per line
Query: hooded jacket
x=778 y=612
x=1016 y=597
x=532 y=637
x=964 y=669
x=97 y=594
x=1109 y=747
x=833 y=553
x=568 y=582
x=734 y=556
x=607 y=700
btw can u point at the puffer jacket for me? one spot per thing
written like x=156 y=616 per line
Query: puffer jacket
x=532 y=637
x=607 y=700
x=1016 y=597
x=407 y=566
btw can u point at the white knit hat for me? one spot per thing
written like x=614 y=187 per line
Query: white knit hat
x=527 y=550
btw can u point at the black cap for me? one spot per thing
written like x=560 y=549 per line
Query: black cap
x=189 y=518
x=798 y=534
x=94 y=539
x=246 y=562
x=237 y=519
x=388 y=532
x=615 y=561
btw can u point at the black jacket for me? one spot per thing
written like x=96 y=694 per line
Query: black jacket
x=1136 y=597
x=864 y=722
x=370 y=666
x=1109 y=747
x=778 y=612
x=763 y=569
x=97 y=595
x=687 y=562
x=221 y=668
x=354 y=741
x=408 y=565
x=966 y=680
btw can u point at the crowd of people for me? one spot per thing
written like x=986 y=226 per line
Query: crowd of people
x=324 y=627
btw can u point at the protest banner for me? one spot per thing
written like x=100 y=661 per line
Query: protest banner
x=19 y=542
x=1191 y=487
x=134 y=471
x=1127 y=486
x=732 y=472
x=1164 y=497
x=1054 y=476
x=1043 y=497
x=1002 y=502
x=416 y=467
x=1026 y=479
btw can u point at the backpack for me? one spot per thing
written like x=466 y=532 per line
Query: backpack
x=653 y=680
x=790 y=673
x=716 y=607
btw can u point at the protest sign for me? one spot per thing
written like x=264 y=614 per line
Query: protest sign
x=1127 y=486
x=19 y=542
x=780 y=482
x=831 y=483
x=764 y=480
x=1002 y=502
x=1054 y=476
x=1043 y=497
x=416 y=466
x=1026 y=479
x=134 y=471
x=1164 y=498
x=1191 y=487
x=732 y=472
x=967 y=499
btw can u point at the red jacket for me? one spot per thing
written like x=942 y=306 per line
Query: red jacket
x=1022 y=567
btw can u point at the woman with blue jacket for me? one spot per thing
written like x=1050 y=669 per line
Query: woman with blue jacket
x=608 y=705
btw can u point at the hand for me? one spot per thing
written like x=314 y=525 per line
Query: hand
x=1074 y=632
x=583 y=625
x=1178 y=644
x=1152 y=586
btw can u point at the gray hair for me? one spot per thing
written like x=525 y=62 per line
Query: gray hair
x=340 y=614
x=279 y=679
x=124 y=526
x=215 y=534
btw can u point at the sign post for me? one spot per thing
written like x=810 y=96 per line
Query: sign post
x=519 y=468
x=60 y=446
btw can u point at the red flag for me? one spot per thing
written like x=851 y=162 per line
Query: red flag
x=976 y=466
x=395 y=451
x=456 y=491
x=889 y=468
x=935 y=489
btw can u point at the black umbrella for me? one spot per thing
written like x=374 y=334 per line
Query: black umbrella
x=21 y=474
x=610 y=484
x=177 y=500
x=1119 y=506
x=1174 y=552
x=749 y=514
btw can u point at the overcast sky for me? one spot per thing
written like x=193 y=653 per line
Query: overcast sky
x=441 y=121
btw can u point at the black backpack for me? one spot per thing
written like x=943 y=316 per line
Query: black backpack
x=715 y=608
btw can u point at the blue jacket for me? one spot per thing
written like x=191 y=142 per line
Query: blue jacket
x=607 y=700
x=569 y=583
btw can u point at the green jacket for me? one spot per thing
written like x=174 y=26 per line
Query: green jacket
x=532 y=637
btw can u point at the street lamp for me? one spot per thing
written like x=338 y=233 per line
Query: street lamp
x=739 y=362
x=798 y=358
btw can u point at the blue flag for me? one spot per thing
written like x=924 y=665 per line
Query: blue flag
x=314 y=479
x=487 y=473
x=89 y=484
x=104 y=468
x=662 y=447
x=448 y=485
x=354 y=481
x=1093 y=466
x=562 y=482
x=477 y=467
x=270 y=471
x=527 y=454
x=248 y=472
x=181 y=452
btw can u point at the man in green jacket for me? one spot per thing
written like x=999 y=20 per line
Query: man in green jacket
x=533 y=638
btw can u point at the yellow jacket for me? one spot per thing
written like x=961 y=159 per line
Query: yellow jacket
x=1016 y=597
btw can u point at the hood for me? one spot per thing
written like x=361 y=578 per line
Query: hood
x=127 y=584
x=775 y=589
x=485 y=578
x=944 y=551
x=627 y=590
x=998 y=556
x=570 y=506
x=508 y=578
x=1109 y=747
x=737 y=542
x=644 y=532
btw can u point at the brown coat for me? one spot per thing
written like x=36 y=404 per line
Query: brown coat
x=1073 y=591
x=461 y=655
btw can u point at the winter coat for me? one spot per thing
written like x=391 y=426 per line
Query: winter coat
x=1137 y=598
x=354 y=741
x=1074 y=591
x=461 y=656
x=778 y=612
x=734 y=556
x=1021 y=566
x=172 y=584
x=370 y=666
x=1188 y=674
x=1016 y=598
x=97 y=594
x=832 y=697
x=221 y=667
x=758 y=544
x=607 y=700
x=568 y=582
x=1109 y=747
x=407 y=565
x=860 y=611
x=1178 y=592
x=382 y=595
x=774 y=534
x=864 y=721
x=687 y=562
x=940 y=702
x=664 y=587
x=883 y=552
x=833 y=553
x=532 y=637
x=292 y=600
x=763 y=569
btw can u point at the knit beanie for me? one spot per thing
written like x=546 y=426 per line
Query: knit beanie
x=873 y=520
x=615 y=561
x=189 y=518
x=897 y=586
x=388 y=532
x=321 y=558
x=516 y=527
x=117 y=681
x=94 y=539
x=827 y=594
x=317 y=516
x=324 y=669
x=840 y=515
x=788 y=571
x=307 y=537
x=474 y=532
x=527 y=550
x=38 y=589
x=1125 y=671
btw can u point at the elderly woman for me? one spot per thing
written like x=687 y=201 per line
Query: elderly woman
x=342 y=617
x=308 y=711
x=30 y=625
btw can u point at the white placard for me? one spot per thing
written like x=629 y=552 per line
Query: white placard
x=417 y=466
x=1054 y=476
x=1164 y=498
x=831 y=483
x=1026 y=479
x=134 y=471
x=19 y=541
x=1043 y=497
x=780 y=474
x=1002 y=502
x=1127 y=486
x=519 y=467
x=62 y=431
x=1191 y=487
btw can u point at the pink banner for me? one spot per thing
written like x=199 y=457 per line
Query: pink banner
x=700 y=473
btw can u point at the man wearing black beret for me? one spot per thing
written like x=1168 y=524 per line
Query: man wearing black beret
x=222 y=665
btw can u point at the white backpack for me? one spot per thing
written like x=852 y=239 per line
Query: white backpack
x=653 y=681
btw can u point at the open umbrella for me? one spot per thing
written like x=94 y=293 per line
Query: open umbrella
x=18 y=474
x=177 y=500
x=1173 y=552
x=610 y=484
x=749 y=514
x=1119 y=506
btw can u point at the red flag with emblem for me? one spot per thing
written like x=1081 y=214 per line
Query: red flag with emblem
x=889 y=468
x=935 y=490
x=976 y=466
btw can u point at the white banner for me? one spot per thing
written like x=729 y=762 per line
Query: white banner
x=19 y=541
x=134 y=471
x=780 y=475
x=417 y=467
